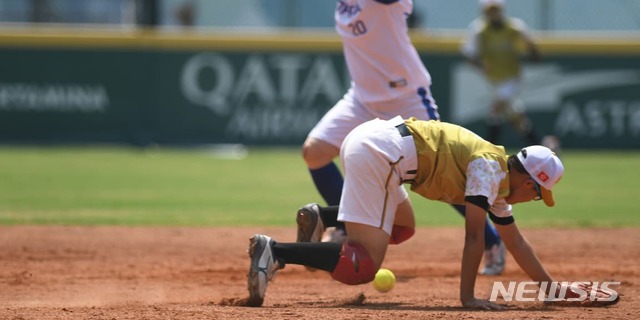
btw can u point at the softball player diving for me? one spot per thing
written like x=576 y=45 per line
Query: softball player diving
x=440 y=161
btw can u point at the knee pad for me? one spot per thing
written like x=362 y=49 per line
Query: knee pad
x=400 y=234
x=355 y=265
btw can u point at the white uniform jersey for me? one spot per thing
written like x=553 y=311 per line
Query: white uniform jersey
x=387 y=76
x=383 y=63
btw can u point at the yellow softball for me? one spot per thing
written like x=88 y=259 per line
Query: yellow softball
x=384 y=280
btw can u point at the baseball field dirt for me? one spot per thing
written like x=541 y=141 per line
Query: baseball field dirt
x=57 y=272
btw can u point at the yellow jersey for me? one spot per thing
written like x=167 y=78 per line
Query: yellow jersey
x=454 y=162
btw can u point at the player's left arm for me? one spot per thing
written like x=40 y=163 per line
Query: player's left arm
x=520 y=249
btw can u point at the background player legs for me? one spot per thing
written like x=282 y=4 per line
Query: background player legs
x=495 y=119
x=516 y=117
x=522 y=124
x=494 y=128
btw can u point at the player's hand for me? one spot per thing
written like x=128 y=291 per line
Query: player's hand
x=482 y=304
x=572 y=298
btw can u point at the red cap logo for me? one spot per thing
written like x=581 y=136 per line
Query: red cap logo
x=543 y=176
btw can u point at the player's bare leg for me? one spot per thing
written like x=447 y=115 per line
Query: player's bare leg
x=404 y=223
x=373 y=239
x=404 y=215
x=404 y=226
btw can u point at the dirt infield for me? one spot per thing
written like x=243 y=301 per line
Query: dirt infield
x=197 y=273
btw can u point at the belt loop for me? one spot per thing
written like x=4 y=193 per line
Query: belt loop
x=403 y=130
x=407 y=170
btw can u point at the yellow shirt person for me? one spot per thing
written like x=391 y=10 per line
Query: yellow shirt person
x=496 y=43
x=498 y=49
x=495 y=46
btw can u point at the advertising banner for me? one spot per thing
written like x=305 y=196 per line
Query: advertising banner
x=145 y=95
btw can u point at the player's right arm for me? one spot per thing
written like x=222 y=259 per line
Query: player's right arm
x=471 y=256
x=483 y=177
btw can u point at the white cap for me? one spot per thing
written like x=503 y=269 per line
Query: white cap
x=491 y=3
x=545 y=168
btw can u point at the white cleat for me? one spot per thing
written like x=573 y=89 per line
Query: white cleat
x=262 y=269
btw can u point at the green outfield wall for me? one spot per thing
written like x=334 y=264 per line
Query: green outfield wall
x=143 y=87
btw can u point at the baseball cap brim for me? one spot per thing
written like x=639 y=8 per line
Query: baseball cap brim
x=547 y=196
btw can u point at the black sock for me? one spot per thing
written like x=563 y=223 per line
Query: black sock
x=329 y=215
x=319 y=255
